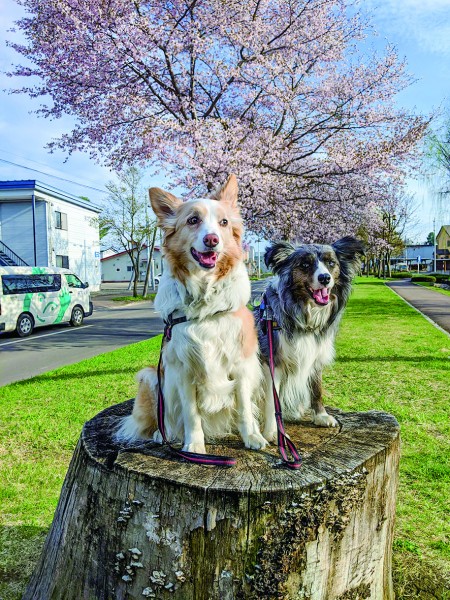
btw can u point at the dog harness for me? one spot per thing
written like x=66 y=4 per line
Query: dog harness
x=284 y=443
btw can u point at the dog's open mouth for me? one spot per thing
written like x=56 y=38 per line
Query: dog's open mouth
x=321 y=296
x=207 y=260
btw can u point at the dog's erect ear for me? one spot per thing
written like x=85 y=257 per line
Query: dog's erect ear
x=228 y=192
x=276 y=254
x=164 y=204
x=349 y=248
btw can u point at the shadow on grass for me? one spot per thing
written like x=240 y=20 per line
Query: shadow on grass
x=417 y=578
x=73 y=376
x=20 y=548
x=400 y=359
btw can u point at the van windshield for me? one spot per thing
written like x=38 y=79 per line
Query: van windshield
x=26 y=284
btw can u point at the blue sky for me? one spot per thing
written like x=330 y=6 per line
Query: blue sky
x=420 y=29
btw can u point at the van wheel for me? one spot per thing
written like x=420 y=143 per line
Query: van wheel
x=24 y=325
x=77 y=316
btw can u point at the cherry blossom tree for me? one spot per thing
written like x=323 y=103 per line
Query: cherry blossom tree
x=280 y=92
x=386 y=226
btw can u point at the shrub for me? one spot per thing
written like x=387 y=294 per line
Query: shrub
x=424 y=278
x=441 y=277
x=401 y=274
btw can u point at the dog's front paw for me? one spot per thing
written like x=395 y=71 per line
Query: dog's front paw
x=271 y=435
x=157 y=437
x=325 y=420
x=255 y=441
x=196 y=447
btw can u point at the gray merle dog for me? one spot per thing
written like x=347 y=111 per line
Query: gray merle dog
x=307 y=299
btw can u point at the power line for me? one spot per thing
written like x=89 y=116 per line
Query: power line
x=30 y=160
x=54 y=176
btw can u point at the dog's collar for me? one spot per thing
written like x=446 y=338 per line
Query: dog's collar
x=176 y=317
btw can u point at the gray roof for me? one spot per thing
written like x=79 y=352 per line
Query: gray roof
x=9 y=190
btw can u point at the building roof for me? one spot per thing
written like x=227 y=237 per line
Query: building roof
x=446 y=228
x=113 y=256
x=23 y=189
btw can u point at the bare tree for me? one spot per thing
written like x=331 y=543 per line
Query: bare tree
x=126 y=218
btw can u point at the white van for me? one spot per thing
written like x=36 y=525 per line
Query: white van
x=35 y=296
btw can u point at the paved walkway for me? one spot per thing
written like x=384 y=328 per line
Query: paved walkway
x=434 y=305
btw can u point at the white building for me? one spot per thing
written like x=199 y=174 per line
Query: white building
x=118 y=268
x=43 y=226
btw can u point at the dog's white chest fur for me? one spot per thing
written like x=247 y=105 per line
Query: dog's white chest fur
x=208 y=354
x=299 y=360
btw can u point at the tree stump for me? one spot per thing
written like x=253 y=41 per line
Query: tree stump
x=142 y=523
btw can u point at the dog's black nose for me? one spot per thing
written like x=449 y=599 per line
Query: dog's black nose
x=324 y=278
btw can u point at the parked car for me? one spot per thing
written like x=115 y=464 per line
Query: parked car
x=36 y=296
x=157 y=279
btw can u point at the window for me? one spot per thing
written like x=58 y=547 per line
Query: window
x=129 y=268
x=62 y=261
x=74 y=282
x=60 y=220
x=25 y=284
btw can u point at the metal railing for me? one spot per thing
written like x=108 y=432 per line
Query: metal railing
x=12 y=255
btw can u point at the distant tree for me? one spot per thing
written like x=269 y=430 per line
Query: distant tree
x=125 y=216
x=430 y=239
x=385 y=234
x=281 y=92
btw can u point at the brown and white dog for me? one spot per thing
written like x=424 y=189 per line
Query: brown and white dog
x=211 y=366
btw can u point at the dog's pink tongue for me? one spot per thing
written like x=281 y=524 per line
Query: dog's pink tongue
x=207 y=259
x=321 y=296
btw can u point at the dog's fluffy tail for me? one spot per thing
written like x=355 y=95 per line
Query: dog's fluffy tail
x=143 y=421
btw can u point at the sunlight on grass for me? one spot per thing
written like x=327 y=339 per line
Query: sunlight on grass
x=388 y=358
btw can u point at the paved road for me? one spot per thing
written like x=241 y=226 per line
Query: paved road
x=51 y=347
x=110 y=327
x=434 y=305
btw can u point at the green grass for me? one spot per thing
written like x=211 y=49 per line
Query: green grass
x=388 y=358
x=134 y=298
x=430 y=286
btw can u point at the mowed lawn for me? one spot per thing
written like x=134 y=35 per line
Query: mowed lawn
x=388 y=358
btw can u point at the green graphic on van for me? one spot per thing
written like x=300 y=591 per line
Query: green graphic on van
x=44 y=312
x=64 y=299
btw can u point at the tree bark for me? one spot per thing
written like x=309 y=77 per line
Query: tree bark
x=136 y=523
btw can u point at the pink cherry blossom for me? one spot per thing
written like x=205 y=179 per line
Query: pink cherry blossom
x=281 y=92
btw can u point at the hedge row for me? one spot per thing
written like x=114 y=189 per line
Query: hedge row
x=424 y=278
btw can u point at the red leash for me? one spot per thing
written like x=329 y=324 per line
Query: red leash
x=200 y=459
x=284 y=443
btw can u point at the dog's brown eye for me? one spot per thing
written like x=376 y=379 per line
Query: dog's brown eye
x=331 y=263
x=193 y=220
x=224 y=222
x=305 y=266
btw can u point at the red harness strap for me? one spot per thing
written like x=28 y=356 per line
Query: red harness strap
x=284 y=443
x=201 y=459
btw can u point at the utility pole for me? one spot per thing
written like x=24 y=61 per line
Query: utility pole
x=434 y=245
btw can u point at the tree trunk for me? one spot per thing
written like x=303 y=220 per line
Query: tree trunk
x=136 y=523
x=149 y=262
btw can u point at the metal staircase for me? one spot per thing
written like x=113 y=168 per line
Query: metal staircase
x=8 y=258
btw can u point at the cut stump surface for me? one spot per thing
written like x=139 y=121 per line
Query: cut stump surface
x=136 y=523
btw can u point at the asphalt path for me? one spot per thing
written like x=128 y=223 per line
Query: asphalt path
x=432 y=304
x=109 y=327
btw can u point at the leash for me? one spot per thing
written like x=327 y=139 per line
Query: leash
x=200 y=459
x=285 y=445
